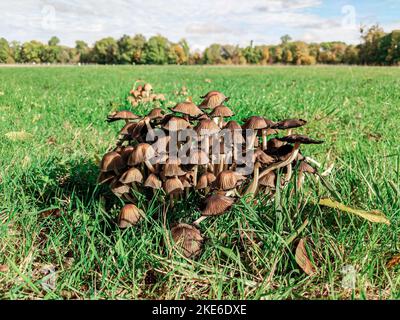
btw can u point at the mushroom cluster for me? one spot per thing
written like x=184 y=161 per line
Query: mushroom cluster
x=142 y=94
x=198 y=148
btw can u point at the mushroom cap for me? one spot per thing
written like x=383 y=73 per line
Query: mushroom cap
x=262 y=157
x=209 y=94
x=112 y=161
x=126 y=152
x=216 y=205
x=221 y=111
x=233 y=125
x=131 y=175
x=129 y=216
x=205 y=180
x=122 y=115
x=274 y=143
x=305 y=167
x=172 y=168
x=298 y=138
x=153 y=181
x=213 y=99
x=188 y=108
x=147 y=87
x=226 y=180
x=269 y=123
x=176 y=124
x=156 y=113
x=255 y=123
x=207 y=127
x=289 y=124
x=185 y=181
x=128 y=128
x=198 y=157
x=188 y=238
x=269 y=180
x=142 y=152
x=119 y=188
x=173 y=185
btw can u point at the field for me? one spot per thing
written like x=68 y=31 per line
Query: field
x=54 y=217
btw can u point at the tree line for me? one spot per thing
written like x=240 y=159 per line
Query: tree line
x=376 y=48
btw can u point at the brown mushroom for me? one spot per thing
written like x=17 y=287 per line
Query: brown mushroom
x=142 y=154
x=129 y=216
x=112 y=161
x=188 y=239
x=122 y=115
x=213 y=99
x=188 y=109
x=226 y=180
x=219 y=113
x=217 y=204
x=289 y=124
x=254 y=123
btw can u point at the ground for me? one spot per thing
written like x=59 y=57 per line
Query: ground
x=55 y=219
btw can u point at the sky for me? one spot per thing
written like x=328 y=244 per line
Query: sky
x=200 y=22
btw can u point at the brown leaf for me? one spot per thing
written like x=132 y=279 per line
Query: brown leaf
x=56 y=212
x=394 y=261
x=3 y=268
x=302 y=258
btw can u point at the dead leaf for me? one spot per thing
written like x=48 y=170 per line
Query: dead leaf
x=4 y=268
x=373 y=216
x=56 y=212
x=394 y=261
x=48 y=282
x=302 y=258
x=208 y=80
x=18 y=135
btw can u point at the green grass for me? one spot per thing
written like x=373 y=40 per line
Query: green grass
x=62 y=110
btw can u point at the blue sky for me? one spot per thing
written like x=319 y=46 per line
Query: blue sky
x=201 y=22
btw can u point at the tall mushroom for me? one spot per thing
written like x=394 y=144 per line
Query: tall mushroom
x=213 y=99
x=219 y=113
x=254 y=123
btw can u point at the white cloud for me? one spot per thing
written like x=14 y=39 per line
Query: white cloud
x=200 y=22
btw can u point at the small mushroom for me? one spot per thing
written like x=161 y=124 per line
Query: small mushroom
x=213 y=99
x=289 y=124
x=219 y=113
x=206 y=129
x=129 y=216
x=156 y=114
x=188 y=109
x=153 y=182
x=122 y=115
x=142 y=154
x=226 y=180
x=188 y=238
x=254 y=123
x=217 y=204
x=112 y=161
x=132 y=176
x=176 y=124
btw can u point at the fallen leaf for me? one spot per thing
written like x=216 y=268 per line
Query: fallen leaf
x=373 y=216
x=3 y=268
x=394 y=261
x=208 y=80
x=302 y=258
x=48 y=282
x=56 y=212
x=18 y=135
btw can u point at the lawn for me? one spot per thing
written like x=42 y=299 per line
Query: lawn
x=54 y=217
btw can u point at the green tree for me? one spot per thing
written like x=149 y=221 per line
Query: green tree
x=54 y=41
x=82 y=51
x=32 y=51
x=5 y=52
x=156 y=50
x=105 y=51
x=213 y=54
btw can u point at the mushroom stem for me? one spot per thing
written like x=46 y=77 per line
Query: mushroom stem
x=281 y=164
x=149 y=166
x=289 y=172
x=195 y=170
x=264 y=139
x=171 y=200
x=199 y=220
x=253 y=140
x=221 y=163
x=252 y=188
x=134 y=186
